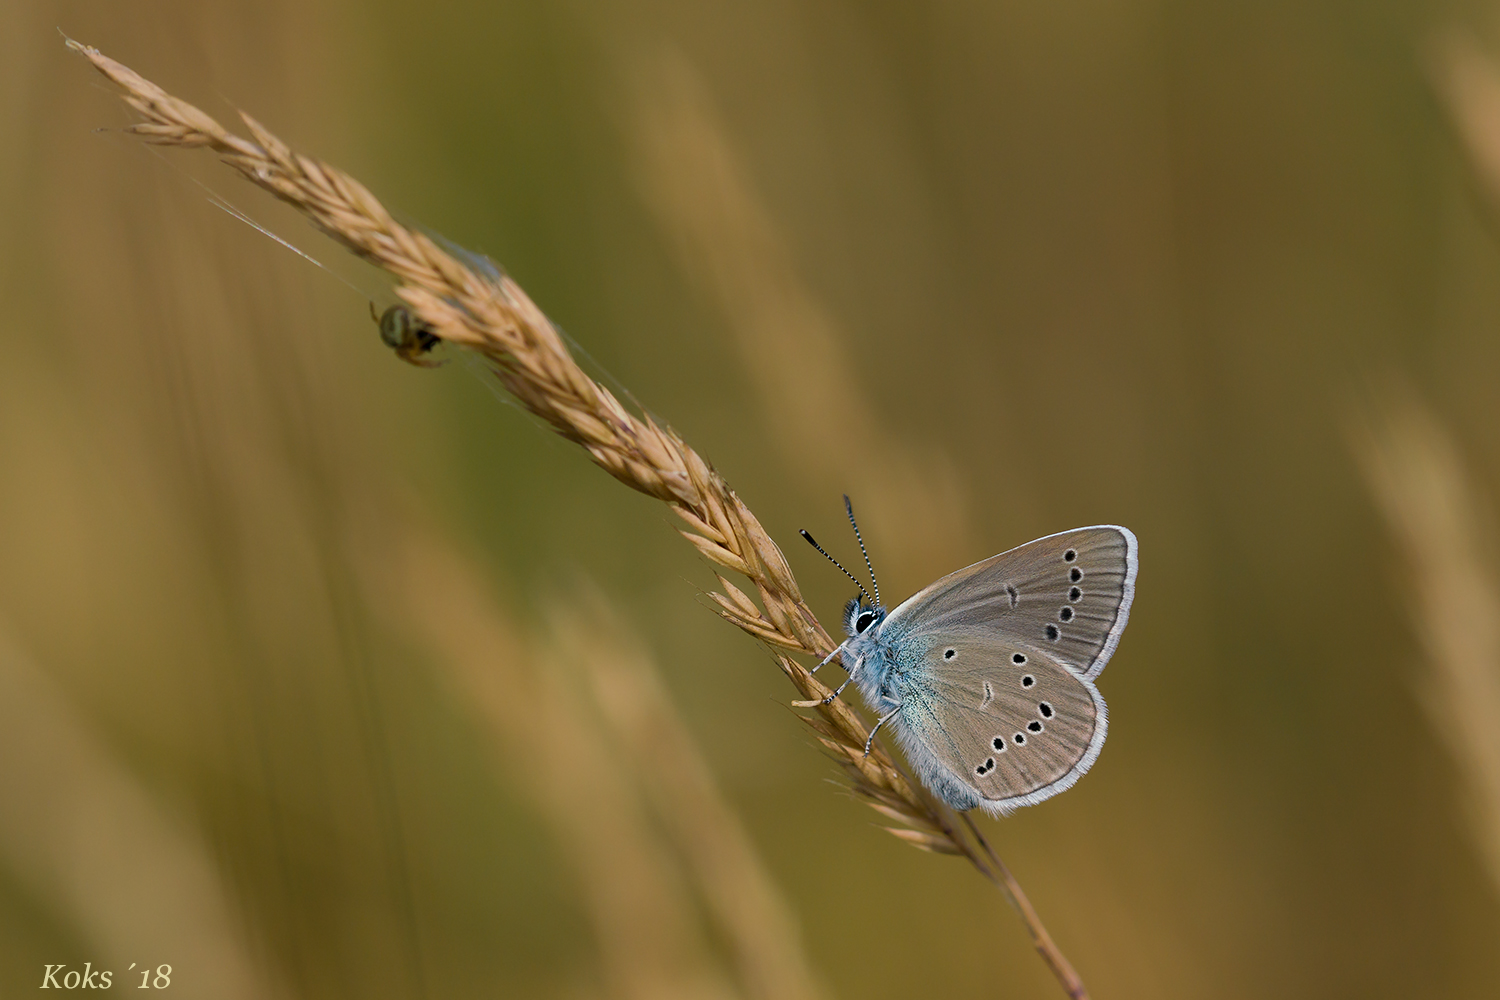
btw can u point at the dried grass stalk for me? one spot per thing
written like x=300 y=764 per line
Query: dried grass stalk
x=492 y=316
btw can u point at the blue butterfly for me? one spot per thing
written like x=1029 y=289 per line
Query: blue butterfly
x=987 y=675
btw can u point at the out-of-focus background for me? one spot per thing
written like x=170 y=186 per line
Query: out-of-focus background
x=325 y=676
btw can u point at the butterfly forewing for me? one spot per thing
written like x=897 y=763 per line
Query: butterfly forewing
x=1011 y=723
x=1067 y=595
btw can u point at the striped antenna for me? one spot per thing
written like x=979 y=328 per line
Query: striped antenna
x=813 y=542
x=849 y=509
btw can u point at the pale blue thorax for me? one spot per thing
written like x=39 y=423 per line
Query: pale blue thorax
x=881 y=665
x=888 y=668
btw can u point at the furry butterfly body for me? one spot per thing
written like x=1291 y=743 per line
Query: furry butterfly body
x=987 y=676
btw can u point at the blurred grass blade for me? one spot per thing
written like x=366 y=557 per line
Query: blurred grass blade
x=799 y=360
x=1445 y=532
x=647 y=732
x=1468 y=81
x=643 y=918
x=89 y=840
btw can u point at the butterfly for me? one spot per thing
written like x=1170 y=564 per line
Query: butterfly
x=987 y=676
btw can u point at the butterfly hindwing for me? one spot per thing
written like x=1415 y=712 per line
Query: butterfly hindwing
x=1008 y=724
x=1067 y=595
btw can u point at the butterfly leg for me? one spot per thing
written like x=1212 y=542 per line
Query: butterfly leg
x=823 y=701
x=837 y=650
x=884 y=719
x=840 y=689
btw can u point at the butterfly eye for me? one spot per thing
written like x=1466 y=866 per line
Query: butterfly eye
x=863 y=621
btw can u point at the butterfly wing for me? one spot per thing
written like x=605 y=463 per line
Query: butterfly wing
x=1067 y=595
x=996 y=664
x=998 y=724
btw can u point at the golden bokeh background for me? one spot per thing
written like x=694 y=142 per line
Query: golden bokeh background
x=325 y=676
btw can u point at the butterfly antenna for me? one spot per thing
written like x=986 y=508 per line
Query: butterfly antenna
x=813 y=542
x=849 y=509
